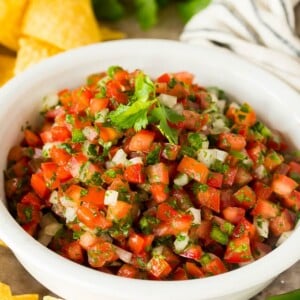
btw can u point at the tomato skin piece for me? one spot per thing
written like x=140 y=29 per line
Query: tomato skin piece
x=194 y=169
x=233 y=214
x=283 y=185
x=282 y=223
x=135 y=174
x=245 y=197
x=210 y=198
x=142 y=141
x=159 y=267
x=231 y=141
x=39 y=185
x=238 y=250
x=159 y=191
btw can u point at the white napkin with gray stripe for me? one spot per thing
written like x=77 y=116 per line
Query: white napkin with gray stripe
x=262 y=31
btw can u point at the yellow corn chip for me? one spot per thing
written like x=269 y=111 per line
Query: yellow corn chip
x=50 y=298
x=7 y=64
x=5 y=292
x=11 y=13
x=31 y=52
x=2 y=244
x=110 y=34
x=65 y=24
x=26 y=297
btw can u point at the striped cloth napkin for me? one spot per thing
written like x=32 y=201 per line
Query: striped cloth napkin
x=262 y=31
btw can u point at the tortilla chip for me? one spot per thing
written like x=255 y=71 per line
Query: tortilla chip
x=50 y=298
x=7 y=64
x=65 y=24
x=31 y=52
x=110 y=34
x=26 y=297
x=5 y=292
x=2 y=244
x=11 y=13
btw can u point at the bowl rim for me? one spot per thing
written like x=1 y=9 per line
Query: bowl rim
x=250 y=275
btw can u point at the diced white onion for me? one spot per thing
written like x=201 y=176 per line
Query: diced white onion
x=50 y=101
x=70 y=214
x=90 y=133
x=67 y=202
x=209 y=156
x=234 y=105
x=205 y=145
x=101 y=115
x=157 y=250
x=260 y=172
x=181 y=242
x=44 y=239
x=181 y=179
x=145 y=186
x=87 y=239
x=135 y=161
x=120 y=158
x=111 y=197
x=124 y=255
x=178 y=108
x=221 y=105
x=283 y=237
x=52 y=229
x=109 y=164
x=196 y=214
x=262 y=226
x=47 y=147
x=53 y=199
x=167 y=100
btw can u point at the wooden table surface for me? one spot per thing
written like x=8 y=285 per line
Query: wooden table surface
x=11 y=271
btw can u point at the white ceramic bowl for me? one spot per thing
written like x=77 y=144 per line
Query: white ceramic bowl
x=20 y=101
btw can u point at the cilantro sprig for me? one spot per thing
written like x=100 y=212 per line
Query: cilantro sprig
x=144 y=108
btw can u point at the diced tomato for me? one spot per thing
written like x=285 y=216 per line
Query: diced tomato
x=75 y=192
x=114 y=91
x=242 y=176
x=243 y=116
x=138 y=243
x=65 y=98
x=192 y=252
x=245 y=197
x=210 y=197
x=273 y=160
x=213 y=265
x=179 y=274
x=32 y=199
x=170 y=151
x=262 y=190
x=260 y=249
x=60 y=133
x=294 y=171
x=74 y=252
x=231 y=141
x=165 y=212
x=159 y=267
x=20 y=168
x=118 y=211
x=81 y=99
x=194 y=169
x=94 y=195
x=292 y=201
x=59 y=156
x=39 y=185
x=158 y=173
x=87 y=239
x=28 y=213
x=101 y=253
x=46 y=136
x=15 y=153
x=203 y=230
x=229 y=176
x=49 y=171
x=31 y=138
x=282 y=223
x=92 y=219
x=98 y=104
x=193 y=270
x=142 y=141
x=30 y=228
x=283 y=185
x=193 y=120
x=215 y=179
x=184 y=77
x=233 y=214
x=238 y=250
x=244 y=228
x=266 y=209
x=135 y=173
x=166 y=77
x=108 y=134
x=76 y=163
x=128 y=271
x=159 y=191
x=282 y=169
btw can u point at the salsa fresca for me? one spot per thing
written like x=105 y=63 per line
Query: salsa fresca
x=158 y=179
